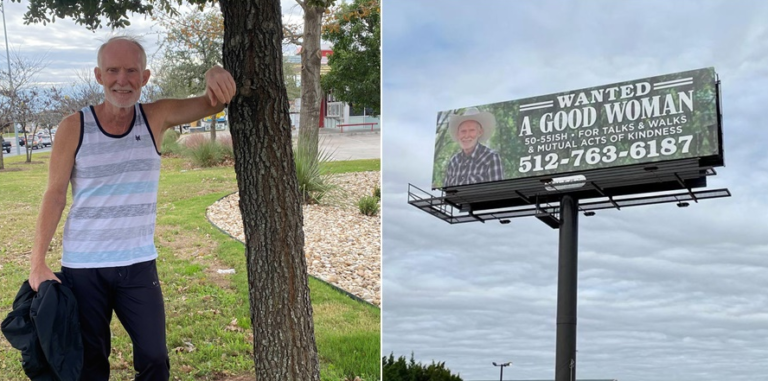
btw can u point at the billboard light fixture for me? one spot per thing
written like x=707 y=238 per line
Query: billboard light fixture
x=589 y=213
x=504 y=222
x=565 y=183
x=682 y=204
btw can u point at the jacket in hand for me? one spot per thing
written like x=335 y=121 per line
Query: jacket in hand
x=45 y=327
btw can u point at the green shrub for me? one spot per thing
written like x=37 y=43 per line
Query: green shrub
x=368 y=205
x=402 y=369
x=225 y=146
x=194 y=140
x=170 y=144
x=377 y=193
x=205 y=154
x=314 y=180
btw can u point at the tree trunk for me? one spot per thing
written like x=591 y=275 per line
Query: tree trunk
x=281 y=313
x=2 y=151
x=27 y=146
x=213 y=127
x=309 y=120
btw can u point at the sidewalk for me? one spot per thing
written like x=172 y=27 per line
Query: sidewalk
x=352 y=145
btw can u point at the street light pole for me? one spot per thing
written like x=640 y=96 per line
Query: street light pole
x=10 y=78
x=501 y=369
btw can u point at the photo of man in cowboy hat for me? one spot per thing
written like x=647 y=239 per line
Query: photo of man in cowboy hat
x=475 y=163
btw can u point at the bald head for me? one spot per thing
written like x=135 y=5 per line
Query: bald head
x=123 y=40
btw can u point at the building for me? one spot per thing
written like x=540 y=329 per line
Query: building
x=334 y=114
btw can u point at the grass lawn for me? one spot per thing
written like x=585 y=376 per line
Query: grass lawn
x=353 y=166
x=208 y=323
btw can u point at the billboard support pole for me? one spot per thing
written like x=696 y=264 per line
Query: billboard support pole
x=565 y=354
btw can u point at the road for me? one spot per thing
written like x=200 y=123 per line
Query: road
x=23 y=151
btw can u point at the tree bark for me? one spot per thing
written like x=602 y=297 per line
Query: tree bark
x=311 y=53
x=281 y=313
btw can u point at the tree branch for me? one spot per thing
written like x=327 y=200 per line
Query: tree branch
x=292 y=36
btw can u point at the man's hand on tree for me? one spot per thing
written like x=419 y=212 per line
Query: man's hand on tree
x=219 y=85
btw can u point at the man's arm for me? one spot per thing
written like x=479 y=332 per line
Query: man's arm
x=219 y=90
x=55 y=198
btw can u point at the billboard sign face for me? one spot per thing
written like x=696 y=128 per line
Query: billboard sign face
x=655 y=119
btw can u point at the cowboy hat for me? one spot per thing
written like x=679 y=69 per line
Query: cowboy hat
x=485 y=118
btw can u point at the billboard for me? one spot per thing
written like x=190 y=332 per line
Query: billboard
x=662 y=118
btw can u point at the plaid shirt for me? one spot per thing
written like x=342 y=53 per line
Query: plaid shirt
x=481 y=166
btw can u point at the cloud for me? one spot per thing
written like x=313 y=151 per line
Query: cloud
x=65 y=46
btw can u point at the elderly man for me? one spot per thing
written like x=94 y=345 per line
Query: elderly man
x=110 y=153
x=475 y=163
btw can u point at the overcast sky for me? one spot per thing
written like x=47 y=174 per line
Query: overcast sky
x=68 y=47
x=664 y=293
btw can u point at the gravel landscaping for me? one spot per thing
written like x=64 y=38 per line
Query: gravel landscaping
x=342 y=246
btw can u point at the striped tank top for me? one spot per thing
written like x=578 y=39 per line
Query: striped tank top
x=114 y=191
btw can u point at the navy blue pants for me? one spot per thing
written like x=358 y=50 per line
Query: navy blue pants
x=133 y=293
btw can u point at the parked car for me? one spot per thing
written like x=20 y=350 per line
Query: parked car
x=45 y=139
x=36 y=142
x=6 y=145
x=22 y=141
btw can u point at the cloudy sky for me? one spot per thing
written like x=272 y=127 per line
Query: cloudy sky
x=68 y=47
x=664 y=293
x=64 y=45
